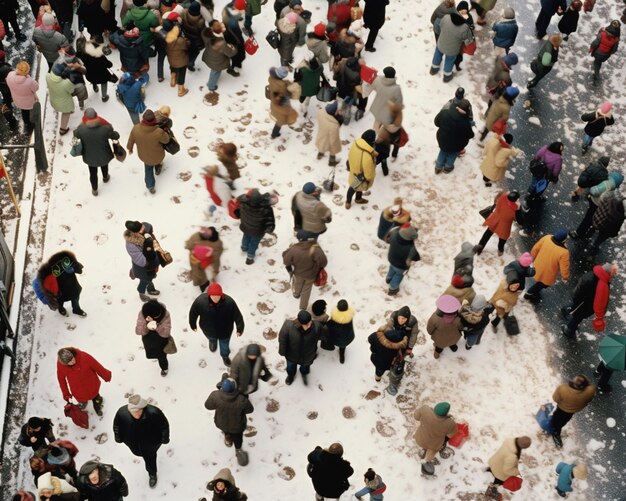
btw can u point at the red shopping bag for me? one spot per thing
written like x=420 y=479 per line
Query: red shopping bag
x=513 y=484
x=251 y=45
x=461 y=435
x=76 y=414
x=204 y=254
x=233 y=208
x=321 y=278
x=404 y=138
x=469 y=48
x=368 y=74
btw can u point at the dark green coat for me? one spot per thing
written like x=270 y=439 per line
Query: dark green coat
x=310 y=80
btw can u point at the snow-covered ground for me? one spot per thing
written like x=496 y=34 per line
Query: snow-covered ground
x=496 y=387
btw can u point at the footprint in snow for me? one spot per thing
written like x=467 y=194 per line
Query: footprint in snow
x=211 y=98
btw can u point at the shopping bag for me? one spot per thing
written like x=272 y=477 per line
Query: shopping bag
x=251 y=46
x=203 y=253
x=273 y=38
x=77 y=147
x=469 y=48
x=233 y=208
x=368 y=74
x=321 y=278
x=76 y=414
x=461 y=435
x=510 y=325
x=164 y=257
x=513 y=484
x=487 y=211
x=119 y=152
x=544 y=417
x=170 y=347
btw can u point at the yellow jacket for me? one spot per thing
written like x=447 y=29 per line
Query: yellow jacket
x=361 y=160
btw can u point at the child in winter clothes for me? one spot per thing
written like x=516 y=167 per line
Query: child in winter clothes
x=392 y=216
x=504 y=32
x=474 y=317
x=566 y=473
x=505 y=298
x=227 y=154
x=523 y=266
x=569 y=22
x=374 y=486
x=220 y=189
x=596 y=123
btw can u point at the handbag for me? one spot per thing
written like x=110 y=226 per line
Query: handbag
x=170 y=347
x=329 y=183
x=510 y=325
x=326 y=93
x=273 y=38
x=469 y=48
x=513 y=484
x=461 y=435
x=172 y=146
x=368 y=74
x=77 y=147
x=403 y=138
x=321 y=278
x=119 y=152
x=113 y=77
x=486 y=212
x=77 y=415
x=163 y=256
x=251 y=46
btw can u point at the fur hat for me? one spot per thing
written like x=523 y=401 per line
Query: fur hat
x=309 y=188
x=523 y=442
x=90 y=113
x=22 y=68
x=442 y=409
x=214 y=289
x=511 y=59
x=134 y=226
x=525 y=259
x=508 y=13
x=65 y=355
x=336 y=448
x=389 y=72
x=319 y=29
x=135 y=402
x=318 y=307
x=229 y=385
x=407 y=232
x=304 y=317
x=291 y=18
x=610 y=268
x=369 y=136
x=580 y=472
x=253 y=350
x=606 y=107
x=165 y=110
x=463 y=5
x=194 y=8
x=47 y=19
x=555 y=40
x=560 y=235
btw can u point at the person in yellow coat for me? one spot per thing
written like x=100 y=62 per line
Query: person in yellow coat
x=551 y=256
x=498 y=154
x=362 y=167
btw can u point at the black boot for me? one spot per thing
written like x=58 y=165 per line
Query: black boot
x=342 y=355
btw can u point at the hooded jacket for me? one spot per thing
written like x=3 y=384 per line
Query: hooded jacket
x=384 y=346
x=572 y=400
x=410 y=327
x=144 y=19
x=504 y=462
x=256 y=214
x=454 y=33
x=60 y=92
x=315 y=214
x=401 y=250
x=49 y=42
x=306 y=258
x=111 y=487
x=387 y=89
x=230 y=410
x=217 y=52
x=328 y=139
x=498 y=154
x=329 y=473
x=232 y=492
x=130 y=91
x=594 y=173
x=591 y=294
x=454 y=129
x=149 y=140
x=216 y=319
x=133 y=53
x=552 y=159
x=596 y=123
x=443 y=333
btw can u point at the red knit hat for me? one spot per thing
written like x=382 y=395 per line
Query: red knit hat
x=239 y=4
x=214 y=289
x=319 y=29
x=457 y=281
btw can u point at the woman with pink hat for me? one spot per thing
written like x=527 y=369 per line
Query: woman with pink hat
x=597 y=121
x=444 y=325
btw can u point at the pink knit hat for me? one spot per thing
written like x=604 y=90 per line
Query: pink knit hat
x=292 y=18
x=525 y=259
x=606 y=107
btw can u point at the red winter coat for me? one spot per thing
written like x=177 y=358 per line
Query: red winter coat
x=81 y=380
x=501 y=219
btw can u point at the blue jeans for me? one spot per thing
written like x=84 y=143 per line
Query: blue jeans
x=149 y=176
x=395 y=276
x=587 y=140
x=448 y=62
x=367 y=490
x=536 y=288
x=292 y=367
x=250 y=244
x=247 y=23
x=224 y=344
x=134 y=116
x=445 y=160
x=214 y=76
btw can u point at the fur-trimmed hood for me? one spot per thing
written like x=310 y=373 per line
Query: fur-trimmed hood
x=94 y=49
x=342 y=317
x=391 y=345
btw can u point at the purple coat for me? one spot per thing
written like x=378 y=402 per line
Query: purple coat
x=23 y=90
x=553 y=161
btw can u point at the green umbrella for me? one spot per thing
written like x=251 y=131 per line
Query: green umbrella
x=613 y=351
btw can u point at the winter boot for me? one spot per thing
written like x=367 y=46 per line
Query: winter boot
x=567 y=333
x=226 y=361
x=212 y=345
x=478 y=249
x=447 y=78
x=305 y=379
x=342 y=355
x=151 y=290
x=228 y=441
x=428 y=468
x=152 y=480
x=62 y=311
x=242 y=457
x=332 y=160
x=359 y=114
x=172 y=79
x=384 y=167
x=182 y=90
x=557 y=440
x=494 y=323
x=97 y=404
x=289 y=379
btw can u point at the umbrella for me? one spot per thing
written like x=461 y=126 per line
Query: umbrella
x=613 y=351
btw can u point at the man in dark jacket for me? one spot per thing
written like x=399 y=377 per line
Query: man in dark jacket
x=591 y=296
x=303 y=261
x=329 y=472
x=543 y=63
x=35 y=433
x=218 y=314
x=608 y=219
x=548 y=9
x=402 y=253
x=248 y=367
x=596 y=172
x=231 y=408
x=604 y=46
x=143 y=428
x=101 y=482
x=597 y=121
x=134 y=54
x=94 y=133
x=373 y=19
x=453 y=134
x=297 y=342
x=257 y=219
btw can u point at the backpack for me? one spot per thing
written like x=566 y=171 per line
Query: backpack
x=538 y=168
x=38 y=287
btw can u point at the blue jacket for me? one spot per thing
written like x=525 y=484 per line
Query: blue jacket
x=564 y=483
x=506 y=33
x=130 y=91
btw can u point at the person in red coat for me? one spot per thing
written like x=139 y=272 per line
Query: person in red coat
x=79 y=376
x=500 y=221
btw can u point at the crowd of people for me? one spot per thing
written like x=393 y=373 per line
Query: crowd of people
x=182 y=33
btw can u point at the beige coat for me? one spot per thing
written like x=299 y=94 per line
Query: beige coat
x=328 y=140
x=496 y=159
x=280 y=109
x=432 y=429
x=504 y=462
x=503 y=299
x=444 y=334
x=149 y=140
x=198 y=274
x=499 y=109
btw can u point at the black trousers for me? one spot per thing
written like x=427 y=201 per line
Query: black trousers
x=487 y=235
x=585 y=224
x=371 y=38
x=237 y=439
x=163 y=363
x=93 y=175
x=559 y=419
x=150 y=460
x=9 y=16
x=605 y=375
x=350 y=194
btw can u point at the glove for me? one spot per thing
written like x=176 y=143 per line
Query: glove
x=598 y=324
x=409 y=352
x=152 y=325
x=148 y=249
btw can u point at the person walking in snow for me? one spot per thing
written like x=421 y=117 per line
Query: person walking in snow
x=504 y=463
x=220 y=189
x=145 y=264
x=373 y=20
x=444 y=8
x=401 y=255
x=500 y=221
x=590 y=297
x=21 y=89
x=570 y=398
x=177 y=50
x=230 y=408
x=308 y=74
x=224 y=488
x=550 y=256
x=504 y=32
x=435 y=428
x=566 y=473
x=362 y=168
x=546 y=58
x=608 y=219
x=604 y=46
x=79 y=374
x=205 y=252
x=499 y=110
x=374 y=486
x=474 y=318
x=303 y=261
x=143 y=428
x=391 y=217
x=523 y=267
x=597 y=121
x=281 y=111
x=461 y=287
x=548 y=9
x=569 y=21
x=454 y=33
x=498 y=154
x=403 y=321
x=310 y=213
x=444 y=325
x=232 y=17
x=500 y=77
x=47 y=40
x=93 y=54
x=227 y=155
x=340 y=327
x=592 y=175
x=257 y=218
x=131 y=92
x=386 y=346
x=154 y=325
x=134 y=55
x=453 y=134
x=59 y=284
x=36 y=433
x=297 y=342
x=61 y=91
x=101 y=482
x=248 y=367
x=328 y=140
x=217 y=314
x=217 y=52
x=329 y=472
x=505 y=297
x=387 y=89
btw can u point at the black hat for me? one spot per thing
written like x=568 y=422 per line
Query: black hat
x=460 y=93
x=134 y=226
x=342 y=305
x=318 y=307
x=370 y=474
x=369 y=136
x=152 y=309
x=508 y=138
x=35 y=422
x=304 y=317
x=464 y=105
x=253 y=350
x=389 y=71
x=513 y=196
x=405 y=312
